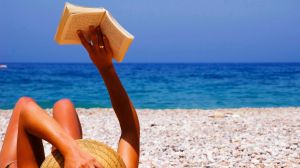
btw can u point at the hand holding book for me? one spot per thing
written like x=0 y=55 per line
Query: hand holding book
x=98 y=47
x=78 y=17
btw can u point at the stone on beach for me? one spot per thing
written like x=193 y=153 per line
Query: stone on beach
x=249 y=137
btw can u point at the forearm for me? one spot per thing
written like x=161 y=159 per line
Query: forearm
x=120 y=101
x=38 y=123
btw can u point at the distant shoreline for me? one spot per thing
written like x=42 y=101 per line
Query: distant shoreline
x=243 y=109
x=153 y=63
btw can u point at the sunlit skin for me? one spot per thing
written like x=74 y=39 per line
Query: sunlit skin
x=29 y=123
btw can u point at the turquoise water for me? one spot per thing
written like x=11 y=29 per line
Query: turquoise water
x=156 y=86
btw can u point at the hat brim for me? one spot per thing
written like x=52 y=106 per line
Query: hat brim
x=104 y=154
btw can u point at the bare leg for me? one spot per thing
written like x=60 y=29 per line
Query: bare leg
x=8 y=152
x=30 y=150
x=65 y=114
x=34 y=122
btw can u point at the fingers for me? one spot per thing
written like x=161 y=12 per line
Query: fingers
x=97 y=165
x=94 y=164
x=107 y=46
x=94 y=36
x=84 y=41
x=99 y=33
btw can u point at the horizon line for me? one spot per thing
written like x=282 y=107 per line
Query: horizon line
x=153 y=63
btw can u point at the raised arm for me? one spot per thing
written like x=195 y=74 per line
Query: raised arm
x=101 y=54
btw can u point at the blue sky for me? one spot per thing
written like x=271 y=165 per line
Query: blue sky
x=165 y=31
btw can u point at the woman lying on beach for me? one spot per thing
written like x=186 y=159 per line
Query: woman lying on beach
x=29 y=123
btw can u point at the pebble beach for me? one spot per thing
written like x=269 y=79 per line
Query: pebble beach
x=244 y=137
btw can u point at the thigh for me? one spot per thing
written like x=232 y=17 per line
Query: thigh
x=8 y=152
x=30 y=151
x=65 y=114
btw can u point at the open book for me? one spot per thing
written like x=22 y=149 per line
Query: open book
x=77 y=17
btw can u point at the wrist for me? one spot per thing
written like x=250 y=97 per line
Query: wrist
x=106 y=70
x=69 y=149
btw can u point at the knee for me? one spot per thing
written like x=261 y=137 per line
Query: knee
x=62 y=108
x=28 y=109
x=25 y=99
x=63 y=103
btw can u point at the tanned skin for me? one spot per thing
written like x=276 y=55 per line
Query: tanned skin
x=29 y=123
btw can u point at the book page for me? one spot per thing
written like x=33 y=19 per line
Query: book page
x=119 y=38
x=82 y=9
x=62 y=24
x=80 y=21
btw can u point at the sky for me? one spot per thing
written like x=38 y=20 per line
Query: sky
x=188 y=31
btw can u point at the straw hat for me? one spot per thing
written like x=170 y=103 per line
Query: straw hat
x=105 y=155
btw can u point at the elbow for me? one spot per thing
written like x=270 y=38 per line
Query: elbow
x=131 y=127
x=132 y=133
x=133 y=138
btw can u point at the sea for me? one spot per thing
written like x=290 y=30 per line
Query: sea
x=156 y=85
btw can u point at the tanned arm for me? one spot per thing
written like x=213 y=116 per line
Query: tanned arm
x=101 y=54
